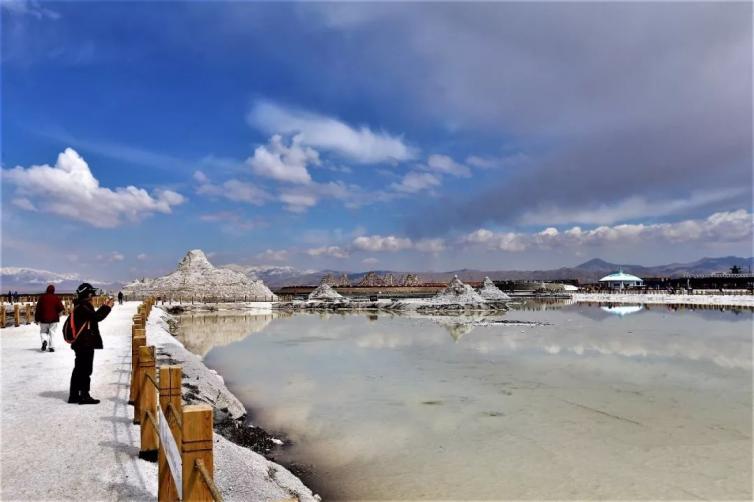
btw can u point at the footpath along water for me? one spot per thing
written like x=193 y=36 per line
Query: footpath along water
x=600 y=403
x=52 y=450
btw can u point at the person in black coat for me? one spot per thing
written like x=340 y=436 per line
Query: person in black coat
x=86 y=324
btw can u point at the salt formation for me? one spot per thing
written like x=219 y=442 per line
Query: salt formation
x=196 y=278
x=491 y=292
x=325 y=292
x=457 y=293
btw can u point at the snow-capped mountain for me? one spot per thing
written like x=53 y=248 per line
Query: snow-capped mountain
x=272 y=275
x=196 y=277
x=32 y=280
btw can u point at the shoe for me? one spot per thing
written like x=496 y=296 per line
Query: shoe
x=73 y=399
x=44 y=346
x=87 y=399
x=50 y=350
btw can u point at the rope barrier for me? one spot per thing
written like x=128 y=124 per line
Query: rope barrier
x=199 y=465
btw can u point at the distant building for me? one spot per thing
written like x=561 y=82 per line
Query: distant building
x=621 y=280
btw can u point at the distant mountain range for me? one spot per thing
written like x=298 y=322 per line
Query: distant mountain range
x=33 y=280
x=588 y=271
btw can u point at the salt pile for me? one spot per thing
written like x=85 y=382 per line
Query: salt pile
x=457 y=293
x=491 y=292
x=197 y=278
x=325 y=292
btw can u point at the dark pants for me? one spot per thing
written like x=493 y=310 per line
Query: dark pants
x=82 y=370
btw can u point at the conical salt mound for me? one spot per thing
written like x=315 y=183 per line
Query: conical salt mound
x=194 y=259
x=325 y=292
x=491 y=292
x=457 y=293
x=196 y=278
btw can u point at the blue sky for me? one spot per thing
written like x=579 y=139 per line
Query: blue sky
x=359 y=136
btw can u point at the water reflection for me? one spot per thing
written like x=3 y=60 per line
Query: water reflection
x=622 y=310
x=392 y=407
x=200 y=332
x=457 y=330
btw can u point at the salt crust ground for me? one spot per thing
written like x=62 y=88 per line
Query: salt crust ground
x=722 y=300
x=52 y=450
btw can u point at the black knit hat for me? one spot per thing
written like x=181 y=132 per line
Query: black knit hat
x=85 y=290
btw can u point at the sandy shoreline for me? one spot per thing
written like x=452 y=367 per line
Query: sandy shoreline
x=241 y=472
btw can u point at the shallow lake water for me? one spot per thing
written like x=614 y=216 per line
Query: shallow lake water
x=600 y=403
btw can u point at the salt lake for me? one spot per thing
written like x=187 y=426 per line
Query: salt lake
x=594 y=402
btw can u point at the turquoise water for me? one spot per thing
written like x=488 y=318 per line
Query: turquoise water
x=634 y=403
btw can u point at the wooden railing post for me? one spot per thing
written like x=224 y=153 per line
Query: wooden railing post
x=170 y=394
x=196 y=444
x=28 y=313
x=17 y=314
x=2 y=317
x=138 y=342
x=137 y=331
x=148 y=404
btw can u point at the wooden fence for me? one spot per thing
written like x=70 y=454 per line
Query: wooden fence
x=178 y=437
x=27 y=309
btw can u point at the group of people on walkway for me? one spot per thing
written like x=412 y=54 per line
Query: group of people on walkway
x=81 y=330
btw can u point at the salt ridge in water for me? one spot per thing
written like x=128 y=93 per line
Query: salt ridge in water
x=489 y=291
x=457 y=293
x=325 y=292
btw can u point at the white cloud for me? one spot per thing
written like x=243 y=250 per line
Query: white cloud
x=379 y=243
x=24 y=203
x=729 y=226
x=391 y=243
x=274 y=255
x=415 y=181
x=333 y=251
x=445 y=165
x=284 y=163
x=244 y=192
x=430 y=245
x=370 y=261
x=326 y=133
x=142 y=256
x=513 y=160
x=300 y=198
x=631 y=208
x=298 y=202
x=233 y=189
x=111 y=257
x=201 y=177
x=29 y=8
x=232 y=222
x=69 y=189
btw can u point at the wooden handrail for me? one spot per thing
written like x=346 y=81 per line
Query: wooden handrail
x=199 y=466
x=149 y=377
x=190 y=427
x=151 y=419
x=174 y=413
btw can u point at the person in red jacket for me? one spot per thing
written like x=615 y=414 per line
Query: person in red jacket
x=86 y=324
x=47 y=315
